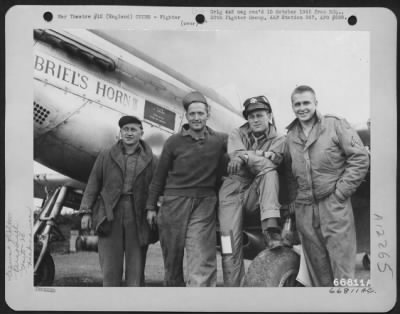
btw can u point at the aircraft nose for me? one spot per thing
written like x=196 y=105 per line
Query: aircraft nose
x=41 y=114
x=52 y=106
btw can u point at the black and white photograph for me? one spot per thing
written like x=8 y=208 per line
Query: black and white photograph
x=234 y=157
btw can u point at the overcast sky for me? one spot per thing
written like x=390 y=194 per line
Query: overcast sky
x=335 y=64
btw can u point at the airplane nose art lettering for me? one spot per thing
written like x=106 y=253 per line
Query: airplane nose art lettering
x=58 y=71
x=73 y=79
x=70 y=90
x=115 y=95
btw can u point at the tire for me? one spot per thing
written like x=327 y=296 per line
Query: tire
x=46 y=271
x=277 y=268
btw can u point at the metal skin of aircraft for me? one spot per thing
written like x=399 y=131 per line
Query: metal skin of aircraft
x=84 y=81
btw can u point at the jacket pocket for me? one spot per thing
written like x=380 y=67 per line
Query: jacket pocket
x=102 y=226
x=337 y=199
x=333 y=159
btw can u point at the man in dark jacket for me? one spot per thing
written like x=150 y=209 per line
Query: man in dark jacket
x=114 y=204
x=327 y=162
x=187 y=177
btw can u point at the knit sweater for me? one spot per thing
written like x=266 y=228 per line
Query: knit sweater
x=188 y=166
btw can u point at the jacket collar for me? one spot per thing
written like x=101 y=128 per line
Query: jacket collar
x=318 y=128
x=320 y=118
x=122 y=147
x=144 y=151
x=185 y=131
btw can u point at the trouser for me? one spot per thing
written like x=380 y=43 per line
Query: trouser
x=123 y=239
x=187 y=222
x=327 y=234
x=236 y=196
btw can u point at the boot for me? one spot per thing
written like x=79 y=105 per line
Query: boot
x=272 y=238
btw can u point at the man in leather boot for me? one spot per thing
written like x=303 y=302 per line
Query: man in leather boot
x=273 y=238
x=255 y=151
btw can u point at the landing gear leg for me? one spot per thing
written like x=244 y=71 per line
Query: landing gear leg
x=44 y=275
x=45 y=225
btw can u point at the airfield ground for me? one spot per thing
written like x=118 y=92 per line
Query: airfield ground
x=82 y=269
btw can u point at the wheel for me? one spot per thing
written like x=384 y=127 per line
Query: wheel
x=366 y=261
x=277 y=268
x=45 y=273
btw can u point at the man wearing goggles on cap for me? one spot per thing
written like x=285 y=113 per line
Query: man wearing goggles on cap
x=254 y=151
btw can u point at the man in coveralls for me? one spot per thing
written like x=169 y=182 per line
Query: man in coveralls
x=255 y=151
x=187 y=176
x=114 y=204
x=328 y=162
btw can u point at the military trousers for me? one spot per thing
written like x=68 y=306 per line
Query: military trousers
x=237 y=196
x=327 y=233
x=122 y=241
x=188 y=223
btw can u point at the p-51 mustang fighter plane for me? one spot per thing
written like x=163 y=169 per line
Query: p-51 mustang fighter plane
x=84 y=81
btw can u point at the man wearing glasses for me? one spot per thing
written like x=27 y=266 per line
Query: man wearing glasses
x=114 y=205
x=255 y=152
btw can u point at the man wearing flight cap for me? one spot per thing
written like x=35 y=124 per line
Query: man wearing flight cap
x=114 y=205
x=255 y=152
x=187 y=176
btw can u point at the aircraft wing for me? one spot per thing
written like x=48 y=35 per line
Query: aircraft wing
x=45 y=183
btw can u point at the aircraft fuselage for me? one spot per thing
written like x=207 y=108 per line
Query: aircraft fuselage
x=81 y=91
